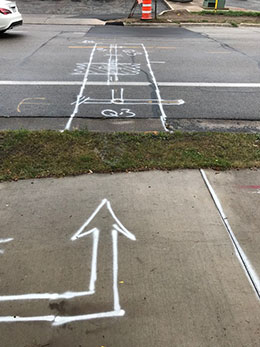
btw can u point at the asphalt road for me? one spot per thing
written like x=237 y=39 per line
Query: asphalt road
x=67 y=77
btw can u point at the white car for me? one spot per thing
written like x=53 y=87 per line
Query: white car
x=9 y=15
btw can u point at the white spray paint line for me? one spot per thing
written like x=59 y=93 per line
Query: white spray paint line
x=93 y=276
x=116 y=64
x=63 y=320
x=79 y=233
x=40 y=83
x=157 y=62
x=60 y=320
x=209 y=84
x=163 y=115
x=6 y=240
x=16 y=319
x=109 y=64
x=122 y=101
x=160 y=84
x=244 y=261
x=45 y=296
x=67 y=127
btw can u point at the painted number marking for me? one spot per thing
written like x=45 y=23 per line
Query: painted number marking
x=126 y=112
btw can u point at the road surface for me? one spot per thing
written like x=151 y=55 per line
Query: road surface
x=134 y=78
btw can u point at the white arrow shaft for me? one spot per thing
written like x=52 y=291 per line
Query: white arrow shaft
x=115 y=270
x=93 y=276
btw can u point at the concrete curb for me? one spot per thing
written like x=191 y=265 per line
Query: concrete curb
x=184 y=24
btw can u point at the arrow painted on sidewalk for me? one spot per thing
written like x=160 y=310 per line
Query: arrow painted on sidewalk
x=82 y=232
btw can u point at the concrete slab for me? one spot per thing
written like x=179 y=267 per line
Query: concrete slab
x=239 y=193
x=180 y=282
x=59 y=20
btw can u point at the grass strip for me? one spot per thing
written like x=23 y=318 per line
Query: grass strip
x=230 y=13
x=36 y=154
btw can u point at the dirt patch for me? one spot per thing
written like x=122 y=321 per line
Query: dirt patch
x=184 y=16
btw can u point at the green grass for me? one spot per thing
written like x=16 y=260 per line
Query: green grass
x=230 y=13
x=27 y=154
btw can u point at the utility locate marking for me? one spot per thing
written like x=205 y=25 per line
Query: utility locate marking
x=130 y=83
x=31 y=101
x=245 y=262
x=67 y=127
x=163 y=115
x=81 y=232
x=111 y=71
x=5 y=241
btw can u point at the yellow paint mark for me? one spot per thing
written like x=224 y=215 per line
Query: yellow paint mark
x=27 y=102
x=121 y=282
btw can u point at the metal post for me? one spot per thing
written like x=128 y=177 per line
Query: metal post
x=216 y=5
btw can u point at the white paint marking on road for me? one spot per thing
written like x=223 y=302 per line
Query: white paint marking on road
x=161 y=84
x=2 y=251
x=209 y=84
x=245 y=262
x=88 y=100
x=40 y=83
x=109 y=64
x=157 y=62
x=6 y=240
x=116 y=64
x=163 y=115
x=67 y=127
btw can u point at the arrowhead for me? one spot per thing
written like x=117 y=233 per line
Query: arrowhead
x=118 y=226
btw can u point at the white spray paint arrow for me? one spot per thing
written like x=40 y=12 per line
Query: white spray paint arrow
x=82 y=232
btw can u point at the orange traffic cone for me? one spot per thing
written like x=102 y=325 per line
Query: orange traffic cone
x=147 y=9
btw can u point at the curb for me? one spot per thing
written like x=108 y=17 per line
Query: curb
x=184 y=24
x=179 y=24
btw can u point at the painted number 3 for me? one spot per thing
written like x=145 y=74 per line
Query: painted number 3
x=124 y=112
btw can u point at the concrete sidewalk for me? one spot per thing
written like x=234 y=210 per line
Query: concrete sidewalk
x=60 y=19
x=181 y=282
